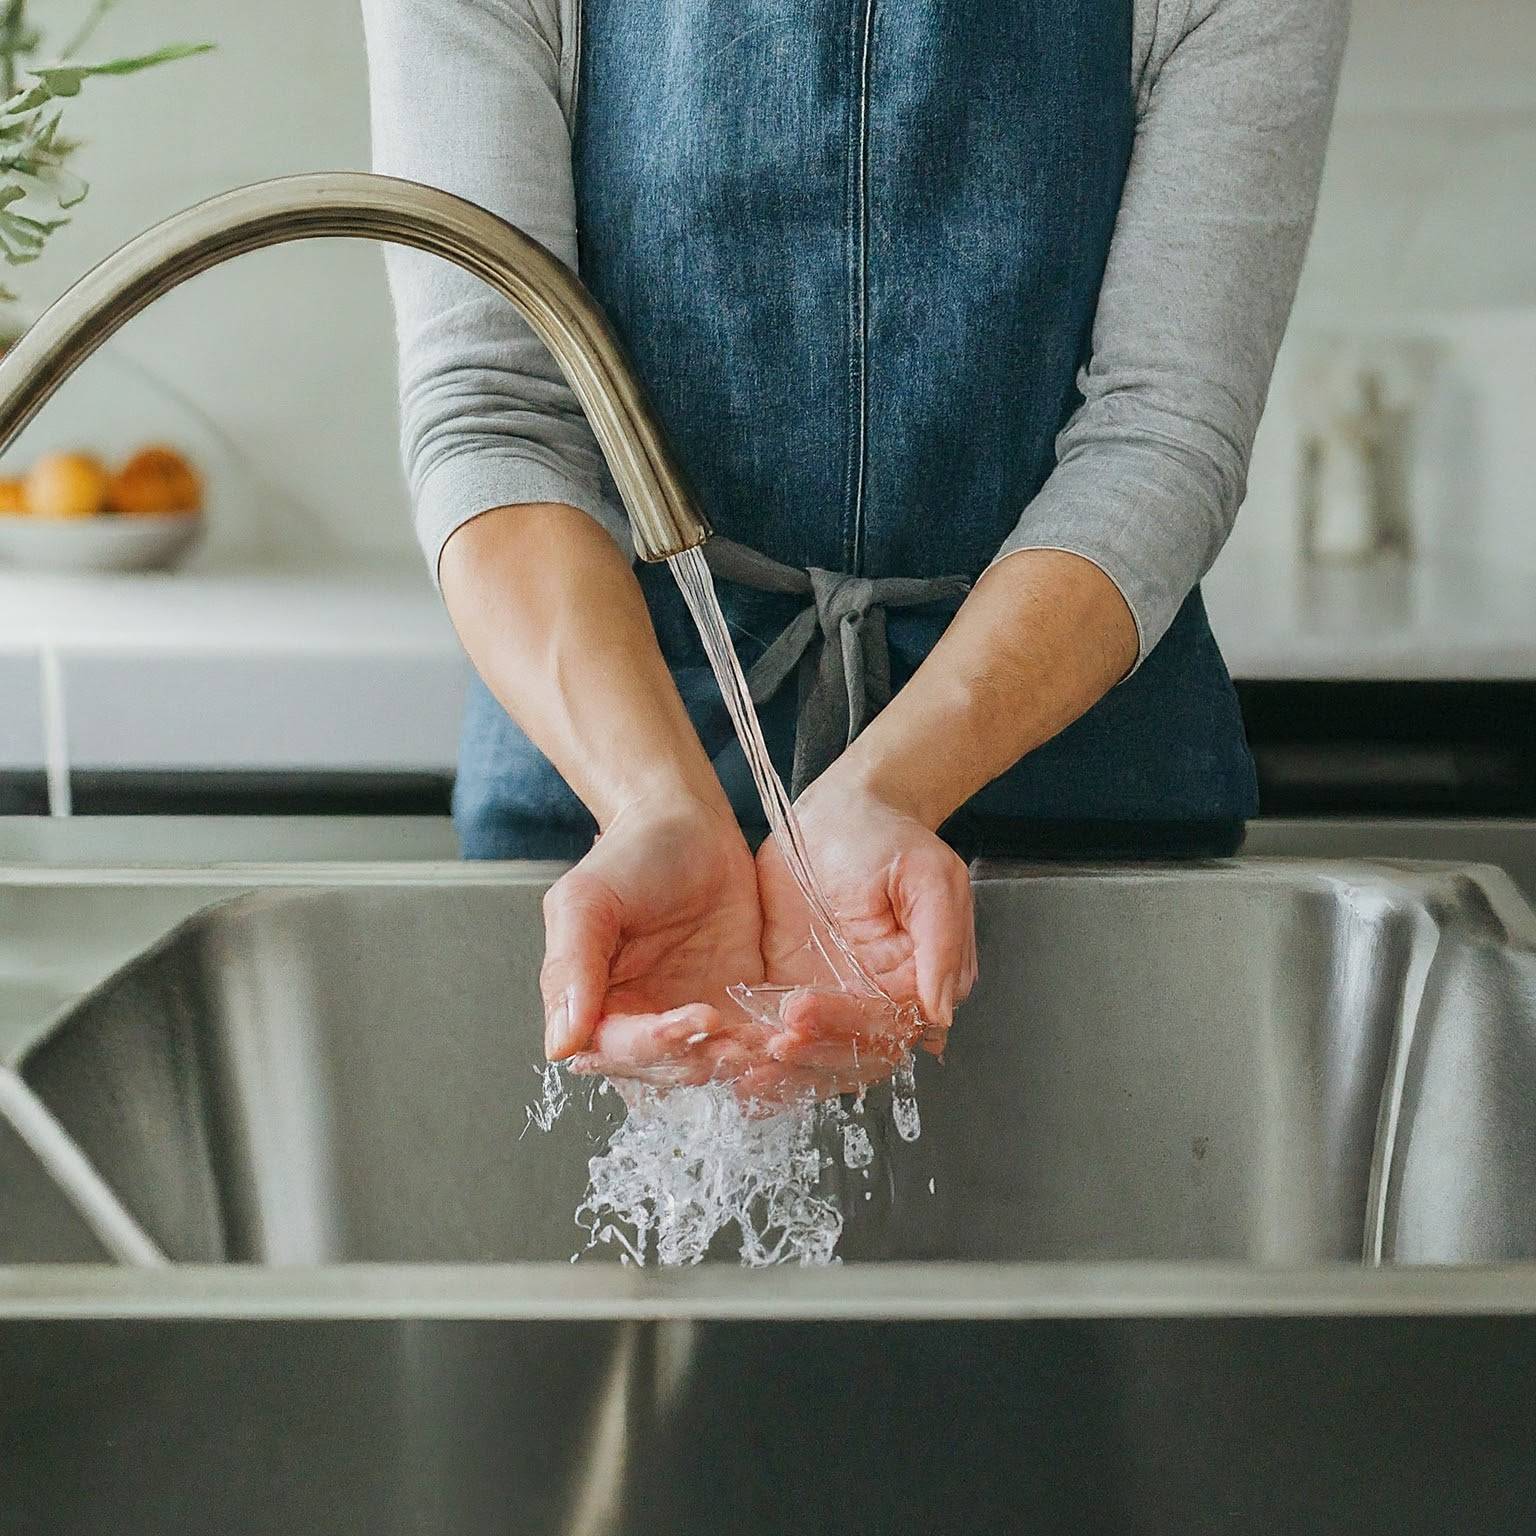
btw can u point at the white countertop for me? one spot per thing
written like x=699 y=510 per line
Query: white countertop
x=333 y=667
x=369 y=608
x=1438 y=616
x=357 y=666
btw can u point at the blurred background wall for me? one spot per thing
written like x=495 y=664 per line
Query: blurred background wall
x=1427 y=231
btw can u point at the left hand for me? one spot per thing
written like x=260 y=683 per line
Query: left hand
x=903 y=899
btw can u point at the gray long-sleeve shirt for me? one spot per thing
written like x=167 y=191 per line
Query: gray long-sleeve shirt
x=1234 y=100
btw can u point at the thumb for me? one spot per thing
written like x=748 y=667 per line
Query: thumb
x=581 y=933
x=936 y=910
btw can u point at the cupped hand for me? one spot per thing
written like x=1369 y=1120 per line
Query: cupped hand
x=642 y=939
x=648 y=934
x=903 y=900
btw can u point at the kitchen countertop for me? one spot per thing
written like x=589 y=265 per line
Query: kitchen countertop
x=335 y=667
x=361 y=607
x=355 y=666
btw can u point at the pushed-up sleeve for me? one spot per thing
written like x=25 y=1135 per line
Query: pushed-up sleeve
x=466 y=95
x=1202 y=271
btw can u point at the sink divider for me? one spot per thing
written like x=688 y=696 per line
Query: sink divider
x=76 y=1177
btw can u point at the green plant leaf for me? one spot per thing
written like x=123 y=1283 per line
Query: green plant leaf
x=26 y=100
x=66 y=79
x=33 y=151
x=22 y=238
x=50 y=178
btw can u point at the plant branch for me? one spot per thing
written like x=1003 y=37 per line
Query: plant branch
x=33 y=154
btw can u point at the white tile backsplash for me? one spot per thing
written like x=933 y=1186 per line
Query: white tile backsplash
x=1473 y=242
x=1427 y=229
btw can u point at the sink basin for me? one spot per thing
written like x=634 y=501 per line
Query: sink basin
x=1261 y=1063
x=1233 y=1178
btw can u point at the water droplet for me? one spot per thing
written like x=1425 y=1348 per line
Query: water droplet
x=857 y=1150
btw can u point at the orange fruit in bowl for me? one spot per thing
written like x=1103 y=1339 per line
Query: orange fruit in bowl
x=66 y=485
x=13 y=498
x=155 y=481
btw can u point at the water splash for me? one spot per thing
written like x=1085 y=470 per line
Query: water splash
x=857 y=1151
x=909 y=1124
x=691 y=1168
x=691 y=1164
x=553 y=1097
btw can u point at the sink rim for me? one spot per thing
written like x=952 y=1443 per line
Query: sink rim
x=853 y=1292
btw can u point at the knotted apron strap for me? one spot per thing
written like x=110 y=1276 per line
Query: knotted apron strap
x=837 y=644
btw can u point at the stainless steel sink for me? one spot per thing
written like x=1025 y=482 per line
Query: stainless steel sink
x=1198 y=1130
x=1263 y=1063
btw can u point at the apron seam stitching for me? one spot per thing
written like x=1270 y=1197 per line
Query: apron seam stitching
x=850 y=304
x=862 y=403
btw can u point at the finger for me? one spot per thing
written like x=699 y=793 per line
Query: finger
x=818 y=1011
x=972 y=957
x=581 y=934
x=844 y=1058
x=646 y=1039
x=683 y=1048
x=935 y=908
x=686 y=1071
x=935 y=1040
x=844 y=1020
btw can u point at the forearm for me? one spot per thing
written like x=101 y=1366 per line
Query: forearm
x=1041 y=638
x=553 y=619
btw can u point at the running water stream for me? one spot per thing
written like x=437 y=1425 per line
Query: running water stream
x=698 y=589
x=687 y=1164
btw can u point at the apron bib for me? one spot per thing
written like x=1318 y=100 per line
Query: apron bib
x=854 y=248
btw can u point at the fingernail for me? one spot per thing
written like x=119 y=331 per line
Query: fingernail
x=947 y=1002
x=557 y=1028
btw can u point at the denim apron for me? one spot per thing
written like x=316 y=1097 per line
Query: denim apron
x=854 y=248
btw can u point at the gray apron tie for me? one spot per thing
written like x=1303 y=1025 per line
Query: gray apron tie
x=836 y=644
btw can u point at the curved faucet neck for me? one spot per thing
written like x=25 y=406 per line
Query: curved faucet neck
x=360 y=205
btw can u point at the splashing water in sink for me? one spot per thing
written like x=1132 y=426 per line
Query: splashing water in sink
x=689 y=1164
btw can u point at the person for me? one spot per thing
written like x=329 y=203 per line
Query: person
x=960 y=315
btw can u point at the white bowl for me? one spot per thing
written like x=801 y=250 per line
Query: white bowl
x=133 y=542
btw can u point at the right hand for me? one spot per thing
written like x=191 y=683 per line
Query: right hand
x=642 y=939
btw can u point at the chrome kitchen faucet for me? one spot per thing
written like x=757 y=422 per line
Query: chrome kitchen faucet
x=359 y=205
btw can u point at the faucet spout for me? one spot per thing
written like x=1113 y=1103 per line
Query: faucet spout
x=356 y=204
